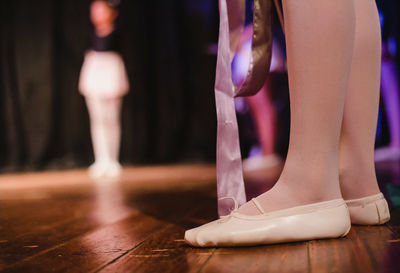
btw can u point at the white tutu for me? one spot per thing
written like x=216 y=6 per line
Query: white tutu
x=103 y=75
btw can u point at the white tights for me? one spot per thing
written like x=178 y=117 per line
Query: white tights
x=333 y=53
x=105 y=127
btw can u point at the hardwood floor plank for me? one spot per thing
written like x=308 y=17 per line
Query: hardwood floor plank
x=92 y=210
x=163 y=252
x=54 y=221
x=335 y=255
x=381 y=247
x=361 y=251
x=19 y=217
x=166 y=251
x=137 y=225
x=163 y=206
x=30 y=244
x=271 y=258
x=94 y=249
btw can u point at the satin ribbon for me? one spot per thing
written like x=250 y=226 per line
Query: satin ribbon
x=229 y=163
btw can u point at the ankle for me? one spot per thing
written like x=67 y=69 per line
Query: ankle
x=312 y=189
x=357 y=181
x=318 y=184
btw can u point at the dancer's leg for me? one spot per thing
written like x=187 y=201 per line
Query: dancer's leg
x=320 y=35
x=112 y=110
x=390 y=95
x=264 y=115
x=96 y=113
x=357 y=170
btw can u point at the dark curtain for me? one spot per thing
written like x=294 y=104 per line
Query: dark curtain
x=169 y=115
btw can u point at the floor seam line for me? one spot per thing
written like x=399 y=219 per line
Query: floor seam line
x=206 y=261
x=129 y=250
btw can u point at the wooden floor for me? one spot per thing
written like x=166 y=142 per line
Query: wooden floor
x=64 y=222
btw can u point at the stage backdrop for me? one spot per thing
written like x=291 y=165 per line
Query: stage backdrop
x=169 y=115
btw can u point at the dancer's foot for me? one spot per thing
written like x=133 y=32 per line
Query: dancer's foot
x=293 y=190
x=113 y=169
x=329 y=219
x=291 y=211
x=97 y=169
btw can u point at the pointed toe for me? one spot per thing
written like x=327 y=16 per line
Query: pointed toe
x=190 y=237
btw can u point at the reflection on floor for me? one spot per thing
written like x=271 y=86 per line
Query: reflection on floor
x=65 y=222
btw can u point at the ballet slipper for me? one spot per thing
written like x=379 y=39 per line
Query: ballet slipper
x=113 y=170
x=96 y=170
x=370 y=210
x=329 y=219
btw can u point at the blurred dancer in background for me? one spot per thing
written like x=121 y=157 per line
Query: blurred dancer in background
x=389 y=80
x=103 y=81
x=261 y=105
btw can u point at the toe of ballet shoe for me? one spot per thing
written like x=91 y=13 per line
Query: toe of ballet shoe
x=203 y=236
x=322 y=220
x=370 y=210
x=190 y=237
